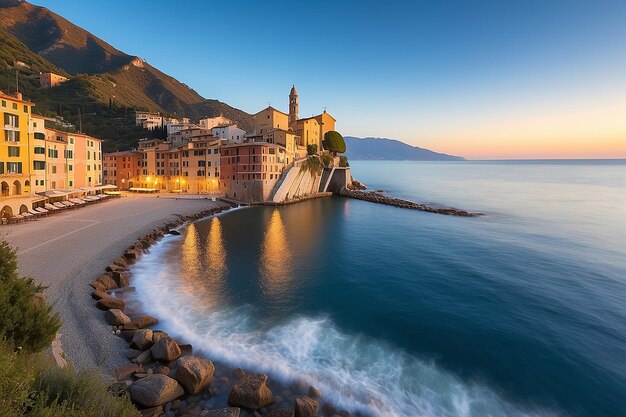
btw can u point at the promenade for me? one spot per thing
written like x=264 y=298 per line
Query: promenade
x=65 y=251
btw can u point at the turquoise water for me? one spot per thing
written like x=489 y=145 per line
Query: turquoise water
x=394 y=312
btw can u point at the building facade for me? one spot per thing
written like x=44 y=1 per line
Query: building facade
x=122 y=169
x=50 y=79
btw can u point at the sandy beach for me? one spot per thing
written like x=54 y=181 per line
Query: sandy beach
x=65 y=251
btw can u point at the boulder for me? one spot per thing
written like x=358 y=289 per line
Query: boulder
x=116 y=317
x=152 y=412
x=158 y=335
x=97 y=285
x=108 y=302
x=133 y=353
x=251 y=392
x=98 y=295
x=145 y=358
x=120 y=278
x=305 y=407
x=314 y=392
x=121 y=262
x=130 y=255
x=142 y=339
x=194 y=373
x=221 y=412
x=126 y=371
x=145 y=321
x=155 y=390
x=185 y=349
x=166 y=349
x=280 y=412
x=174 y=232
x=107 y=282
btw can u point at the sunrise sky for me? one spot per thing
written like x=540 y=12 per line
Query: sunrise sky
x=482 y=79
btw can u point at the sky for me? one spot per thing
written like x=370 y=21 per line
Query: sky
x=479 y=79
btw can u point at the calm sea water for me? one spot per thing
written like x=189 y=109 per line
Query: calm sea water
x=393 y=312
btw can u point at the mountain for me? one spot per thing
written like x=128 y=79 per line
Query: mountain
x=391 y=150
x=106 y=85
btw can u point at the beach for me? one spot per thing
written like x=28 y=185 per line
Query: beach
x=65 y=251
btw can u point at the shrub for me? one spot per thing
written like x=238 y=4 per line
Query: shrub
x=311 y=149
x=25 y=319
x=326 y=159
x=334 y=142
x=313 y=165
x=30 y=383
x=343 y=161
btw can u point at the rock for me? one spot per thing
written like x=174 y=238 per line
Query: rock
x=128 y=335
x=174 y=232
x=185 y=350
x=126 y=371
x=99 y=295
x=158 y=335
x=194 y=373
x=221 y=412
x=314 y=392
x=154 y=390
x=152 y=412
x=130 y=255
x=107 y=282
x=145 y=321
x=280 y=412
x=239 y=373
x=305 y=407
x=166 y=349
x=251 y=392
x=120 y=278
x=133 y=353
x=121 y=262
x=145 y=358
x=142 y=339
x=97 y=285
x=116 y=317
x=108 y=302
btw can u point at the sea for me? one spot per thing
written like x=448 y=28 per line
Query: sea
x=396 y=312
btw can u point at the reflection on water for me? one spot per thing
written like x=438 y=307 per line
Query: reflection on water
x=276 y=262
x=189 y=266
x=215 y=269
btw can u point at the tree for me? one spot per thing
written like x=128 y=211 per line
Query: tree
x=334 y=142
x=311 y=149
x=26 y=320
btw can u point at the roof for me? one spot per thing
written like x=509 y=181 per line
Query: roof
x=271 y=108
x=123 y=153
x=10 y=97
x=293 y=91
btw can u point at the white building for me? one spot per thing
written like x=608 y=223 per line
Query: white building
x=231 y=133
x=148 y=120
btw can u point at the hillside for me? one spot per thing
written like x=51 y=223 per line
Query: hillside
x=391 y=150
x=106 y=85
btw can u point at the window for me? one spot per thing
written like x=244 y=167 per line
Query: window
x=54 y=169
x=25 y=108
x=68 y=154
x=71 y=141
x=14 y=151
x=53 y=153
x=14 y=167
x=1 y=167
x=40 y=136
x=11 y=136
x=71 y=183
x=4 y=103
x=39 y=165
x=14 y=105
x=70 y=168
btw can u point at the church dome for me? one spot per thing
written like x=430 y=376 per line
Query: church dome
x=293 y=91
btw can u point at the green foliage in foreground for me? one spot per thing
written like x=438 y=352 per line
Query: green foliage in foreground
x=343 y=161
x=31 y=384
x=313 y=165
x=326 y=159
x=334 y=142
x=311 y=149
x=25 y=319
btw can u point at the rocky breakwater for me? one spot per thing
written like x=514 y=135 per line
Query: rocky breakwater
x=164 y=378
x=377 y=197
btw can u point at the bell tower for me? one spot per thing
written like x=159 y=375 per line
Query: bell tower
x=293 y=105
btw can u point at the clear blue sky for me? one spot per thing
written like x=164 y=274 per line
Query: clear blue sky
x=478 y=78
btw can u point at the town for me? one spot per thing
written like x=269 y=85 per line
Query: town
x=284 y=158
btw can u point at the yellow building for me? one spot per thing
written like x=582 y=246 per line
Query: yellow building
x=270 y=118
x=326 y=123
x=309 y=131
x=15 y=158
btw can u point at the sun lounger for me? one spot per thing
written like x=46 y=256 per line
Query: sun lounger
x=26 y=215
x=77 y=201
x=42 y=210
x=69 y=204
x=16 y=219
x=50 y=207
x=34 y=212
x=59 y=206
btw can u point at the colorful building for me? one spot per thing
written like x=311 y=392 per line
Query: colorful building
x=122 y=169
x=50 y=79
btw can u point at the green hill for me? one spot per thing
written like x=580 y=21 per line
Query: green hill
x=105 y=86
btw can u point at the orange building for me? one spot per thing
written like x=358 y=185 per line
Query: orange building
x=50 y=79
x=122 y=169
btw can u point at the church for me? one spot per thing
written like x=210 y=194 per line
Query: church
x=288 y=130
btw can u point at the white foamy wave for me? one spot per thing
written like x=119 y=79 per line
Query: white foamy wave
x=353 y=372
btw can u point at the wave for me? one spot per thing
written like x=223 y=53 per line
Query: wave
x=353 y=372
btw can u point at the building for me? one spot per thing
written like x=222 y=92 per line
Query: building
x=270 y=118
x=211 y=122
x=231 y=133
x=183 y=136
x=250 y=171
x=15 y=166
x=50 y=79
x=122 y=169
x=148 y=120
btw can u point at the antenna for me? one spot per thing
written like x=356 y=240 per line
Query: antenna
x=324 y=109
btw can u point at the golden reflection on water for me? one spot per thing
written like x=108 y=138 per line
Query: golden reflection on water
x=216 y=269
x=276 y=263
x=190 y=252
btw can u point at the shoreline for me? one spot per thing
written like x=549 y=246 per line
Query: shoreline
x=286 y=396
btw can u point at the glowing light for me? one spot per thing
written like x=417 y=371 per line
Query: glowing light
x=276 y=264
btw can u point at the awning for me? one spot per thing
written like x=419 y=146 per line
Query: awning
x=106 y=187
x=54 y=193
x=145 y=190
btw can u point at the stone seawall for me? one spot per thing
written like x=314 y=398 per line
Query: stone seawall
x=376 y=197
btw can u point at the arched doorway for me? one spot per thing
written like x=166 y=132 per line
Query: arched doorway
x=4 y=187
x=27 y=186
x=17 y=188
x=6 y=212
x=23 y=209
